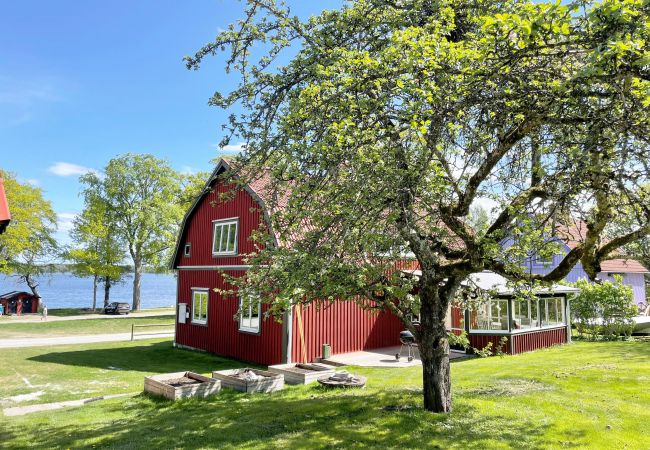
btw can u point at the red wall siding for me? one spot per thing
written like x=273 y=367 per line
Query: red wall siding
x=346 y=327
x=222 y=336
x=525 y=342
x=457 y=317
x=480 y=341
x=522 y=342
x=198 y=229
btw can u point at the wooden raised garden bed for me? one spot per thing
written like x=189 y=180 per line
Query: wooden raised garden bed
x=250 y=380
x=181 y=385
x=302 y=373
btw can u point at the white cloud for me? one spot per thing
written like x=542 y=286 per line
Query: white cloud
x=34 y=182
x=65 y=221
x=64 y=169
x=188 y=170
x=232 y=148
x=486 y=203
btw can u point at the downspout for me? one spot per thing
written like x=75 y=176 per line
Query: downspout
x=287 y=335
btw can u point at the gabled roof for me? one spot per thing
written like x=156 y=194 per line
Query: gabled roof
x=258 y=189
x=5 y=215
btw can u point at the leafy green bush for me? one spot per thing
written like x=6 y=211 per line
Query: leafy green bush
x=604 y=309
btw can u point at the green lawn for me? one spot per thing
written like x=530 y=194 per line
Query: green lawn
x=84 y=326
x=585 y=395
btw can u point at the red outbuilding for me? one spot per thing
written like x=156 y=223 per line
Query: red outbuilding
x=214 y=236
x=19 y=302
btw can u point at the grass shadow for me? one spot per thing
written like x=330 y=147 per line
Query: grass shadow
x=299 y=417
x=158 y=357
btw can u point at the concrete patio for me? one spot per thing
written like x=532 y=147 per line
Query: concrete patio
x=383 y=357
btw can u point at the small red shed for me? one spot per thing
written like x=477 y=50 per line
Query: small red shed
x=19 y=302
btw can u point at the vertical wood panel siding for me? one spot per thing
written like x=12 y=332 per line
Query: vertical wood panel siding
x=480 y=341
x=198 y=230
x=525 y=342
x=522 y=342
x=221 y=334
x=346 y=326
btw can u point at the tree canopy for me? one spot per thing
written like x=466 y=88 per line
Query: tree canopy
x=28 y=244
x=383 y=122
x=141 y=196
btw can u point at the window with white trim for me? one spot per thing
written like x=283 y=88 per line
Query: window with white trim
x=200 y=306
x=187 y=251
x=491 y=315
x=524 y=314
x=224 y=237
x=250 y=309
x=552 y=311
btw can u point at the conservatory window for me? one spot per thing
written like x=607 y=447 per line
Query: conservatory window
x=552 y=311
x=524 y=314
x=200 y=306
x=224 y=237
x=492 y=315
x=250 y=314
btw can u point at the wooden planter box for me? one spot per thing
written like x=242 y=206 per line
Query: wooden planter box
x=164 y=385
x=302 y=373
x=232 y=379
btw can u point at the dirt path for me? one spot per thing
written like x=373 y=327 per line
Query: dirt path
x=36 y=318
x=83 y=339
x=22 y=410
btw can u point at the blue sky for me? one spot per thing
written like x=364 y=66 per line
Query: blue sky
x=82 y=82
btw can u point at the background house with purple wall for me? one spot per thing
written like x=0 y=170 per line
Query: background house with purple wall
x=632 y=272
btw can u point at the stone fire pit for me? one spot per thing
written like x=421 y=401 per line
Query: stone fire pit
x=343 y=379
x=181 y=385
x=250 y=380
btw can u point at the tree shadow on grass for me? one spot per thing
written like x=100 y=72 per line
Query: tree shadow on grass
x=159 y=357
x=299 y=417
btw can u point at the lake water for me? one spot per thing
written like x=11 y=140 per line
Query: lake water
x=63 y=290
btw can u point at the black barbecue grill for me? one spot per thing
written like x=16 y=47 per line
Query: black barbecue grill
x=408 y=340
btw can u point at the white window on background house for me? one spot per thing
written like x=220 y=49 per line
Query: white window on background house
x=187 y=251
x=200 y=306
x=224 y=237
x=250 y=316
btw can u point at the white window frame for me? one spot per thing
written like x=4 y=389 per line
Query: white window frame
x=225 y=223
x=247 y=329
x=187 y=250
x=204 y=320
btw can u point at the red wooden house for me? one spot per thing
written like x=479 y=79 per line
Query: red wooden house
x=214 y=236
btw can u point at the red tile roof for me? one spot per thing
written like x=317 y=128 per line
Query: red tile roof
x=5 y=215
x=575 y=234
x=623 y=266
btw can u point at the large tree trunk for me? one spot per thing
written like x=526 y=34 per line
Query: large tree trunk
x=107 y=290
x=137 y=279
x=33 y=285
x=434 y=352
x=95 y=278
